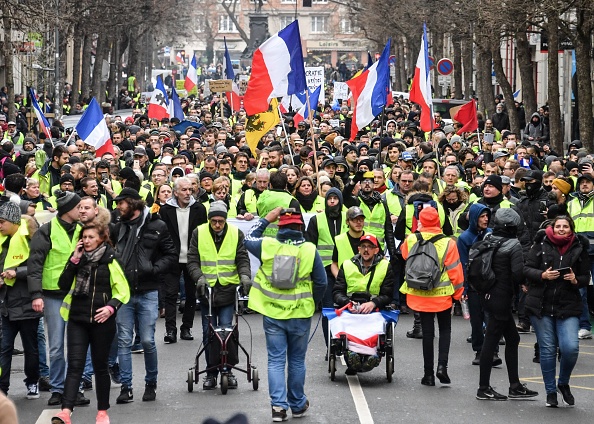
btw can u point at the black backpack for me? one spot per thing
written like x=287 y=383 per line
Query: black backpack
x=479 y=269
x=423 y=268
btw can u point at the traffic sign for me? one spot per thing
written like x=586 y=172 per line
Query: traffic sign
x=445 y=66
x=444 y=80
x=431 y=63
x=392 y=60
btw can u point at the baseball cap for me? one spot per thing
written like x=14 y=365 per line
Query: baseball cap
x=498 y=155
x=290 y=216
x=139 y=151
x=406 y=156
x=369 y=238
x=354 y=212
x=532 y=175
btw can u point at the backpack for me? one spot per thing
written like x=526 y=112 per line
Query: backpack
x=423 y=268
x=479 y=269
x=285 y=267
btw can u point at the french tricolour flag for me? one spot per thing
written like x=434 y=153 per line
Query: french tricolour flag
x=303 y=112
x=192 y=75
x=92 y=129
x=361 y=330
x=277 y=70
x=158 y=106
x=292 y=103
x=369 y=91
x=420 y=90
x=43 y=123
x=233 y=97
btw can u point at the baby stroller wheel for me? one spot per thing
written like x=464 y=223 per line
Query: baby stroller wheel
x=389 y=368
x=224 y=384
x=332 y=366
x=255 y=378
x=190 y=381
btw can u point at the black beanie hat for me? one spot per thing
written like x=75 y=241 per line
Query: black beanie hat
x=495 y=181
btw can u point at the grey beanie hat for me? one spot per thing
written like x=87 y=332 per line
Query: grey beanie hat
x=67 y=201
x=10 y=212
x=218 y=208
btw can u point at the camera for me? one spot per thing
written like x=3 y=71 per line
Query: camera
x=104 y=178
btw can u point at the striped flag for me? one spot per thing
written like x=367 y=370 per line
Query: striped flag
x=420 y=91
x=92 y=129
x=43 y=122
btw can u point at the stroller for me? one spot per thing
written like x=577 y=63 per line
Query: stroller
x=223 y=343
x=354 y=336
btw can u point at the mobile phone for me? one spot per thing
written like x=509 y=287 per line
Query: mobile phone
x=104 y=178
x=563 y=271
x=136 y=163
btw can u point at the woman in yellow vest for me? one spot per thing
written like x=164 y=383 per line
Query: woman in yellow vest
x=96 y=287
x=437 y=301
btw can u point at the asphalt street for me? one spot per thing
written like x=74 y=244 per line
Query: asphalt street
x=366 y=398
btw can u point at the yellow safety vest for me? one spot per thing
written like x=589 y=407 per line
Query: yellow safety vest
x=325 y=242
x=18 y=250
x=218 y=265
x=250 y=201
x=375 y=220
x=278 y=303
x=410 y=212
x=393 y=202
x=357 y=282
x=269 y=200
x=62 y=248
x=343 y=247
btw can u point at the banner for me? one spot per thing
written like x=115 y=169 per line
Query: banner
x=341 y=91
x=314 y=77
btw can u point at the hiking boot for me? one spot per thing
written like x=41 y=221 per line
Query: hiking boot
x=477 y=359
x=186 y=334
x=489 y=394
x=150 y=392
x=371 y=362
x=44 y=384
x=428 y=380
x=415 y=333
x=353 y=360
x=170 y=337
x=62 y=417
x=102 y=418
x=568 y=398
x=81 y=400
x=442 y=374
x=209 y=382
x=301 y=412
x=32 y=391
x=521 y=392
x=55 y=399
x=114 y=373
x=279 y=414
x=523 y=327
x=126 y=395
x=232 y=381
x=552 y=400
x=496 y=360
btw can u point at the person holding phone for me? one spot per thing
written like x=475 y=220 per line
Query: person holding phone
x=97 y=287
x=556 y=267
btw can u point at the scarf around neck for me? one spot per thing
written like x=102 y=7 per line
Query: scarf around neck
x=83 y=276
x=562 y=243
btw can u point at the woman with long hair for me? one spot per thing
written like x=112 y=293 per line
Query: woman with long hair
x=96 y=287
x=307 y=196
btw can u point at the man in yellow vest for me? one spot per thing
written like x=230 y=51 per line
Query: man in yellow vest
x=366 y=280
x=51 y=247
x=217 y=258
x=288 y=285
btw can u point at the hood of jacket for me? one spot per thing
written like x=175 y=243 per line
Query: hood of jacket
x=532 y=117
x=419 y=196
x=336 y=192
x=475 y=211
x=172 y=201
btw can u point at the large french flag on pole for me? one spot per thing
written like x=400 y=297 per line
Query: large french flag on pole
x=175 y=109
x=303 y=112
x=92 y=129
x=277 y=70
x=192 y=75
x=158 y=106
x=292 y=103
x=420 y=90
x=369 y=91
x=43 y=122
x=233 y=97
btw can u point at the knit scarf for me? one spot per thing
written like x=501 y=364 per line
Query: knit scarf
x=83 y=276
x=306 y=201
x=562 y=243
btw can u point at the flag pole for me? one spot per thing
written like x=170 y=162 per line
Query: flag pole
x=315 y=155
x=286 y=135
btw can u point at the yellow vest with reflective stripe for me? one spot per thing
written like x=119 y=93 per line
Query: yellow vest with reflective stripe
x=218 y=266
x=375 y=220
x=444 y=287
x=325 y=242
x=284 y=304
x=410 y=212
x=18 y=250
x=582 y=217
x=269 y=200
x=62 y=248
x=393 y=202
x=357 y=282
x=343 y=247
x=250 y=201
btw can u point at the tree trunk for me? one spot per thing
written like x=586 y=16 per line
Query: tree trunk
x=76 y=64
x=85 y=79
x=505 y=87
x=403 y=70
x=458 y=68
x=436 y=51
x=112 y=84
x=397 y=85
x=100 y=55
x=133 y=52
x=468 y=68
x=483 y=81
x=526 y=66
x=8 y=64
x=555 y=129
x=583 y=72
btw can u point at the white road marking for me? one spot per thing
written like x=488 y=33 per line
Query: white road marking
x=358 y=398
x=46 y=416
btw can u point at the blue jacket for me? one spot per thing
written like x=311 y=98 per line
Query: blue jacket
x=472 y=234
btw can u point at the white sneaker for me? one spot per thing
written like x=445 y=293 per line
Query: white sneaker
x=584 y=334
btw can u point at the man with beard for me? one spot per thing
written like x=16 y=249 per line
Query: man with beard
x=322 y=231
x=275 y=157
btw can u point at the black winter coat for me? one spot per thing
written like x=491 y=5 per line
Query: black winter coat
x=16 y=302
x=558 y=298
x=530 y=207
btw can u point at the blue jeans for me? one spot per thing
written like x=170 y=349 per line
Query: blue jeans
x=221 y=316
x=145 y=306
x=56 y=334
x=550 y=333
x=286 y=342
x=43 y=368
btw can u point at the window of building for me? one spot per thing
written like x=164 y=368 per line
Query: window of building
x=226 y=24
x=285 y=20
x=319 y=24
x=346 y=26
x=288 y=1
x=319 y=1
